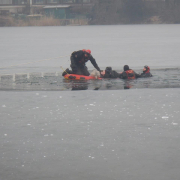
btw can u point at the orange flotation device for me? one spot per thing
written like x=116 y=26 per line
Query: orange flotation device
x=130 y=74
x=79 y=77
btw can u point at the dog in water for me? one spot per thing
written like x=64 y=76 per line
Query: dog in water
x=95 y=74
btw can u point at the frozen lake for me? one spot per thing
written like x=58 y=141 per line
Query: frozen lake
x=49 y=132
x=102 y=135
x=45 y=49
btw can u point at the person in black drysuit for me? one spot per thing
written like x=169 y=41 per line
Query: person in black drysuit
x=128 y=73
x=78 y=62
x=109 y=73
x=146 y=72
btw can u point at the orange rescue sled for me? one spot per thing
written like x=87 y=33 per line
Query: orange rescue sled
x=79 y=77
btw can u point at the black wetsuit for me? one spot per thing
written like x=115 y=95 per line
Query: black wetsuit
x=109 y=73
x=78 y=62
x=144 y=75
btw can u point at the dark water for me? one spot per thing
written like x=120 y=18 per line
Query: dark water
x=105 y=129
x=162 y=78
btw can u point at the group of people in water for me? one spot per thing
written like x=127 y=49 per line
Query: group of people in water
x=78 y=66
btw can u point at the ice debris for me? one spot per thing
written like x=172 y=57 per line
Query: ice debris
x=165 y=117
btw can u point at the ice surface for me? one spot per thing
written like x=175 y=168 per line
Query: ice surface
x=132 y=139
x=116 y=137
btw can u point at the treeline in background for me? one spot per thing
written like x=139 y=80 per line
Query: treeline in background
x=135 y=11
x=95 y=12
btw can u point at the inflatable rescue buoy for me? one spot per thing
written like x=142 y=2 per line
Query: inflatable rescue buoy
x=78 y=77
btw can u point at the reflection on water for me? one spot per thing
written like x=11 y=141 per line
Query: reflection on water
x=75 y=85
x=107 y=84
x=162 y=78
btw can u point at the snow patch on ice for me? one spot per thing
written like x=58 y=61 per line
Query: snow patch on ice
x=175 y=124
x=165 y=117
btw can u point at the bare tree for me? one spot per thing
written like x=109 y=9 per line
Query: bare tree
x=134 y=11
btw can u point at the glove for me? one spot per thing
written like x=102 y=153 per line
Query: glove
x=64 y=73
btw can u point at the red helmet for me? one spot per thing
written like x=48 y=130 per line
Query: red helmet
x=88 y=51
x=146 y=69
x=84 y=50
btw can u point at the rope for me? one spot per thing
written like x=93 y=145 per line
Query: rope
x=3 y=68
x=63 y=69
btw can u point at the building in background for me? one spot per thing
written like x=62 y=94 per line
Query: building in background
x=58 y=11
x=57 y=8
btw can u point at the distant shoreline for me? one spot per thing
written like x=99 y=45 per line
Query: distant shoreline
x=8 y=21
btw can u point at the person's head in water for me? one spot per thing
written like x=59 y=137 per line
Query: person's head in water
x=146 y=69
x=126 y=67
x=108 y=70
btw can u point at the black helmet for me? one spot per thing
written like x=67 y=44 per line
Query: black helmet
x=126 y=67
x=108 y=70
